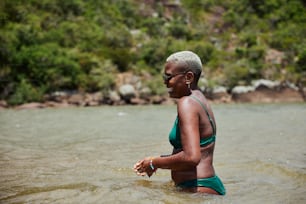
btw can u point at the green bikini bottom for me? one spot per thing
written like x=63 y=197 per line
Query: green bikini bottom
x=212 y=182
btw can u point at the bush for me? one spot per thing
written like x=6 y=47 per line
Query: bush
x=178 y=29
x=288 y=38
x=101 y=78
x=156 y=85
x=237 y=73
x=121 y=57
x=204 y=50
x=47 y=65
x=301 y=62
x=25 y=92
x=154 y=54
x=154 y=26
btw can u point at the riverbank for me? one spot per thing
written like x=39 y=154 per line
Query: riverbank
x=261 y=91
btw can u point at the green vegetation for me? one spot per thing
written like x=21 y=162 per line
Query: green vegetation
x=52 y=45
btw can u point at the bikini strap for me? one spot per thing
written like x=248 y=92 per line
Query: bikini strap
x=208 y=115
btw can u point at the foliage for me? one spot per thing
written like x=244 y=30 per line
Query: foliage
x=50 y=45
x=25 y=92
x=157 y=86
x=301 y=62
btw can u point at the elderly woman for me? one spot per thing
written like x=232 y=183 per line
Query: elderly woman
x=194 y=131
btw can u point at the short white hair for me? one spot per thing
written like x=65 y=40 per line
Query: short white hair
x=189 y=58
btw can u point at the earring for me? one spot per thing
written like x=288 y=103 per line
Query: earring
x=188 y=84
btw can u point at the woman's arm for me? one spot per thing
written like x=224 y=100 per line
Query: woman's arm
x=190 y=155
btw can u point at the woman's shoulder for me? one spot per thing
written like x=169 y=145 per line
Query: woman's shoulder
x=193 y=101
x=195 y=95
x=187 y=104
x=185 y=101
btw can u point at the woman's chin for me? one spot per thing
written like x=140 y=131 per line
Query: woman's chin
x=169 y=90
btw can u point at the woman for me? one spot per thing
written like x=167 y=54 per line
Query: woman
x=194 y=131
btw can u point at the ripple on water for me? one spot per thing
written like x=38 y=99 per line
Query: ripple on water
x=31 y=192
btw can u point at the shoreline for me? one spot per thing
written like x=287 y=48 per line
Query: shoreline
x=130 y=91
x=262 y=94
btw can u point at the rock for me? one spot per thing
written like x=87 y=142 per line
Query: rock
x=242 y=89
x=138 y=85
x=219 y=94
x=127 y=91
x=53 y=104
x=145 y=93
x=219 y=89
x=290 y=85
x=203 y=83
x=168 y=101
x=92 y=103
x=303 y=92
x=33 y=105
x=157 y=99
x=267 y=83
x=60 y=93
x=3 y=104
x=264 y=94
x=97 y=96
x=288 y=95
x=88 y=98
x=274 y=56
x=76 y=99
x=114 y=96
x=58 y=96
x=126 y=78
x=138 y=101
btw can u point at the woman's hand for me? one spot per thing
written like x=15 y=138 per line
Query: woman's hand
x=138 y=168
x=143 y=167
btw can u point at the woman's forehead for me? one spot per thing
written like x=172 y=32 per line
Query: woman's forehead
x=174 y=66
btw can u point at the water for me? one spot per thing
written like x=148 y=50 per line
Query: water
x=86 y=155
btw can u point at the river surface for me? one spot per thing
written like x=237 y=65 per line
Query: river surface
x=86 y=155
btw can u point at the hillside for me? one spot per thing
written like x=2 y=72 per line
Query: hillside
x=82 y=45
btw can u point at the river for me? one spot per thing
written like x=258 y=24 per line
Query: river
x=86 y=155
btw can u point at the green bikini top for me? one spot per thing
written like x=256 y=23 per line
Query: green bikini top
x=175 y=135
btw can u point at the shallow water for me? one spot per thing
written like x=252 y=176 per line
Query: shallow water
x=86 y=155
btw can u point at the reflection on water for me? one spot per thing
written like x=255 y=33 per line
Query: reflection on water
x=85 y=155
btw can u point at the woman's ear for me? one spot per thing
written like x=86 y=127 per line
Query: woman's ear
x=189 y=77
